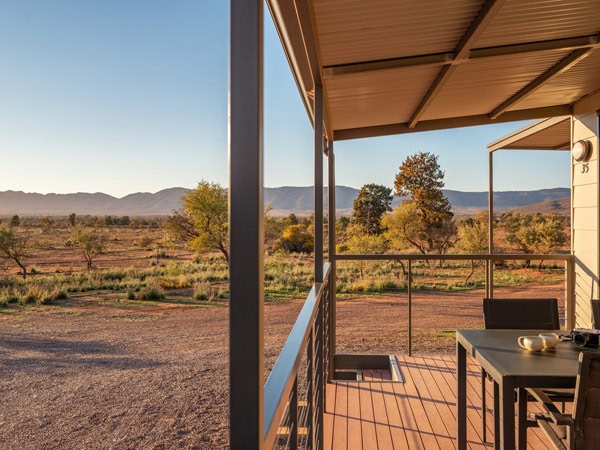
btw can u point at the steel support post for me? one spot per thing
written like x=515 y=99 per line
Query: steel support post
x=318 y=191
x=246 y=271
x=490 y=275
x=332 y=254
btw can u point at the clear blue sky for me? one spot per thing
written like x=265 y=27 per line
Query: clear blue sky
x=123 y=96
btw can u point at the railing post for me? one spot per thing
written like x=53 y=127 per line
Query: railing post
x=319 y=375
x=409 y=307
x=310 y=406
x=246 y=271
x=293 y=413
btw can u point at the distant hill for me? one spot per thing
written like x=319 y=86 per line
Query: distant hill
x=284 y=200
x=559 y=206
x=141 y=203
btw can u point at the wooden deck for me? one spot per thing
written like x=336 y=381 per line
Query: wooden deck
x=417 y=414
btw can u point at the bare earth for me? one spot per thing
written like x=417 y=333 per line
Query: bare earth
x=96 y=373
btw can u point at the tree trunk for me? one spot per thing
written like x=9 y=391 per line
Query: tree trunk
x=472 y=271
x=23 y=268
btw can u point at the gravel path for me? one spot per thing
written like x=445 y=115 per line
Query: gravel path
x=99 y=374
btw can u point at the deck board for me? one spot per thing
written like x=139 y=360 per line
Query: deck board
x=367 y=418
x=417 y=414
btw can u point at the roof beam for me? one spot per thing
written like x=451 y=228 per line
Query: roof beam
x=527 y=131
x=455 y=122
x=483 y=19
x=573 y=43
x=392 y=63
x=562 y=66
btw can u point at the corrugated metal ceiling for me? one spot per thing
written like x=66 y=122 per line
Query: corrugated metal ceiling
x=394 y=66
x=547 y=134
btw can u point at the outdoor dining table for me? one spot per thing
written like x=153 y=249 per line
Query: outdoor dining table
x=512 y=368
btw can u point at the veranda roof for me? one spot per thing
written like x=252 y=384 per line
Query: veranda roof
x=553 y=133
x=399 y=66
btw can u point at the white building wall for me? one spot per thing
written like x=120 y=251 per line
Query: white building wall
x=585 y=213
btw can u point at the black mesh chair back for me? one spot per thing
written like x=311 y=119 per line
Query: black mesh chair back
x=516 y=314
x=521 y=313
x=596 y=313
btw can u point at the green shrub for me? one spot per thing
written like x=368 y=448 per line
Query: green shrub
x=206 y=292
x=151 y=293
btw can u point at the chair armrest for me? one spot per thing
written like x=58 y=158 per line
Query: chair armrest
x=556 y=416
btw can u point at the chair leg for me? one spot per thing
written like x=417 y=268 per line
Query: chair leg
x=483 y=407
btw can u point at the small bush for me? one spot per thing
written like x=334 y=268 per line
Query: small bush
x=207 y=292
x=151 y=293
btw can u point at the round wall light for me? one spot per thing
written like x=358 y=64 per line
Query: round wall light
x=582 y=151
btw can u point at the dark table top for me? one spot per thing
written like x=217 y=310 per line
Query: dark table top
x=500 y=355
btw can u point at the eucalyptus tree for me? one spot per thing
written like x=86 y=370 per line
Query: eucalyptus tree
x=427 y=221
x=369 y=207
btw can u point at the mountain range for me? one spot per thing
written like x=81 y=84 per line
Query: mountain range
x=283 y=200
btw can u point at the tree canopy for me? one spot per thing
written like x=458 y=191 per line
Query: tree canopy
x=372 y=202
x=91 y=242
x=531 y=233
x=473 y=234
x=203 y=218
x=14 y=246
x=297 y=238
x=426 y=219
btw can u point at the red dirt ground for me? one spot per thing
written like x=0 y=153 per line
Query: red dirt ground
x=93 y=372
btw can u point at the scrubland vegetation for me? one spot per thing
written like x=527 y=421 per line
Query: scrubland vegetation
x=185 y=257
x=141 y=261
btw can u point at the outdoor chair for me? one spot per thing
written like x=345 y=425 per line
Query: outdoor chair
x=596 y=314
x=520 y=314
x=581 y=429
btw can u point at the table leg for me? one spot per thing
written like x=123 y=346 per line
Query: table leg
x=507 y=413
x=461 y=397
x=522 y=418
x=496 y=415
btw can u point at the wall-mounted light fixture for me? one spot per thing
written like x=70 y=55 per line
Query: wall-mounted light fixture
x=582 y=150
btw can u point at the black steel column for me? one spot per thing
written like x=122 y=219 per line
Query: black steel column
x=332 y=254
x=318 y=183
x=246 y=225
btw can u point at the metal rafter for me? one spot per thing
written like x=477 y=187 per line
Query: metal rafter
x=562 y=66
x=438 y=59
x=461 y=52
x=454 y=122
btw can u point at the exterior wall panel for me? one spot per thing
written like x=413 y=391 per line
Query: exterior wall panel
x=585 y=195
x=585 y=222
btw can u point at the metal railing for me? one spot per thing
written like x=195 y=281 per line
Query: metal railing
x=290 y=422
x=294 y=393
x=489 y=274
